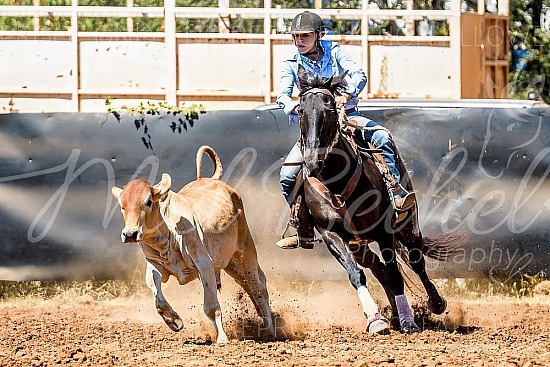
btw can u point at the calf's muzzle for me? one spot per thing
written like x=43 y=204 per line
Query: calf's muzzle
x=130 y=236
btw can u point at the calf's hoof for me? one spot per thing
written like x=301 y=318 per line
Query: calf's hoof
x=269 y=334
x=175 y=323
x=222 y=340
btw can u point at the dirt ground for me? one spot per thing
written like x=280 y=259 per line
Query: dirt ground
x=319 y=323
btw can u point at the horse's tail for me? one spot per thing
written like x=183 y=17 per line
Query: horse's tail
x=444 y=246
x=218 y=170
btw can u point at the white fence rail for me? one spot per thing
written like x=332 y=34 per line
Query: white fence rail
x=74 y=71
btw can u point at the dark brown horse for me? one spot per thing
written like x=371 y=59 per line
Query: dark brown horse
x=350 y=207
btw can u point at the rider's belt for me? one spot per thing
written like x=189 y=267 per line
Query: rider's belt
x=351 y=110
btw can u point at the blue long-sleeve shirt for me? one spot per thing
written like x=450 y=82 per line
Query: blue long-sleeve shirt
x=335 y=61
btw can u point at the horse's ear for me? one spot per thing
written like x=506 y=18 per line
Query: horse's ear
x=327 y=83
x=305 y=79
x=337 y=80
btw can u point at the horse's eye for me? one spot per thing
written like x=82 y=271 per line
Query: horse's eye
x=148 y=203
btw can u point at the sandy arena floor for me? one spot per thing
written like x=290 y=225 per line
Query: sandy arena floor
x=319 y=323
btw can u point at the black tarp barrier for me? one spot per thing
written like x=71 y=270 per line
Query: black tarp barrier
x=484 y=169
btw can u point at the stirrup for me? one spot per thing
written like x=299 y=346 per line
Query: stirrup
x=295 y=240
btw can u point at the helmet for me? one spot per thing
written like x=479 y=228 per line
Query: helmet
x=306 y=22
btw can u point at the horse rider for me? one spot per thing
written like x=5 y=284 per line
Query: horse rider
x=326 y=59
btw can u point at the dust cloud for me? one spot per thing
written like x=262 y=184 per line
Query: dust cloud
x=309 y=290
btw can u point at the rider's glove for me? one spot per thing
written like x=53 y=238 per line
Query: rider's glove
x=293 y=119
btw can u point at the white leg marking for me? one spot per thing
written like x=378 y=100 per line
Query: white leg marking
x=222 y=336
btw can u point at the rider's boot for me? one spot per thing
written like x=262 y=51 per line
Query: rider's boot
x=403 y=201
x=297 y=240
x=305 y=235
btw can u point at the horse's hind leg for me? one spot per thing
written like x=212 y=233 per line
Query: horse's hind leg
x=357 y=278
x=436 y=303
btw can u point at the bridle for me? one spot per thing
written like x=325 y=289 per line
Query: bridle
x=330 y=146
x=337 y=201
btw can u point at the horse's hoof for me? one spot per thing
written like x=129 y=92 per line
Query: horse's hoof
x=379 y=325
x=437 y=308
x=409 y=327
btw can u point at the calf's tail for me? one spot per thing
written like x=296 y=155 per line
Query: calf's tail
x=218 y=170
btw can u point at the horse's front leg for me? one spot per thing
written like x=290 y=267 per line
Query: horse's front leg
x=339 y=249
x=368 y=259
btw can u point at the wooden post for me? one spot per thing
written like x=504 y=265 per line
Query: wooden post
x=365 y=43
x=225 y=20
x=171 y=52
x=409 y=26
x=75 y=67
x=481 y=7
x=455 y=49
x=36 y=19
x=130 y=20
x=268 y=57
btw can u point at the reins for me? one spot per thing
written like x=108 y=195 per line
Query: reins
x=338 y=201
x=340 y=119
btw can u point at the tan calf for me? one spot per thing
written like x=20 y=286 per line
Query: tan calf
x=193 y=233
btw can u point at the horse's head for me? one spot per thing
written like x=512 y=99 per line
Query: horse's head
x=318 y=117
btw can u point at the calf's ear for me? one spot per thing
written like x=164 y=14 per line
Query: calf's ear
x=161 y=189
x=116 y=191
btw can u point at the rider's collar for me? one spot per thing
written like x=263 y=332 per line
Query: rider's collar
x=324 y=45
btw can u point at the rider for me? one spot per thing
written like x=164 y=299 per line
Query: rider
x=325 y=59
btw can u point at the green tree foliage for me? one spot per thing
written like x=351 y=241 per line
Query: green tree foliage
x=16 y=23
x=235 y=24
x=530 y=61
